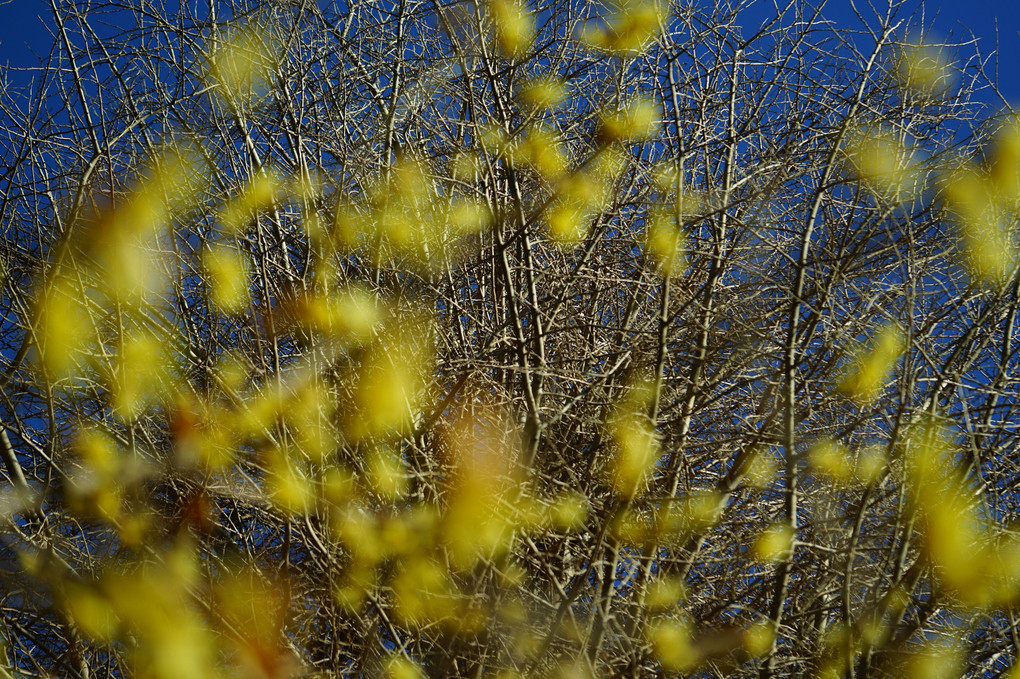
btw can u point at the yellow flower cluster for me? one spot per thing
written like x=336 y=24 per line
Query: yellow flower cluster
x=629 y=26
x=869 y=371
x=886 y=163
x=982 y=202
x=974 y=562
x=404 y=220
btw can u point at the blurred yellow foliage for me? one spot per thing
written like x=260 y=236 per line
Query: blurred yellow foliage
x=673 y=645
x=399 y=667
x=542 y=151
x=629 y=26
x=244 y=62
x=934 y=660
x=90 y=611
x=332 y=435
x=883 y=160
x=385 y=471
x=350 y=315
x=403 y=218
x=775 y=543
x=569 y=511
x=638 y=120
x=924 y=68
x=666 y=241
x=871 y=464
x=1004 y=168
x=635 y=441
x=65 y=328
x=543 y=93
x=262 y=192
x=957 y=537
x=870 y=369
x=515 y=26
x=288 y=488
x=227 y=269
x=759 y=639
x=390 y=387
x=762 y=469
x=831 y=459
x=478 y=522
x=665 y=593
x=969 y=196
x=578 y=197
x=143 y=374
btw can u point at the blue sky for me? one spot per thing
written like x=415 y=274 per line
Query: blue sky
x=22 y=32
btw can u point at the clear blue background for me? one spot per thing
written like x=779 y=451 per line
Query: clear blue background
x=25 y=31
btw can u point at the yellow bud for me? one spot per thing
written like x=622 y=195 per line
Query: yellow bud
x=630 y=26
x=870 y=465
x=570 y=511
x=515 y=26
x=544 y=93
x=758 y=639
x=288 y=489
x=1004 y=171
x=585 y=188
x=568 y=223
x=870 y=370
x=543 y=151
x=761 y=469
x=666 y=593
x=399 y=667
x=90 y=611
x=228 y=278
x=666 y=242
x=640 y=120
x=831 y=459
x=882 y=160
x=133 y=528
x=390 y=386
x=423 y=593
x=775 y=543
x=142 y=377
x=97 y=451
x=64 y=327
x=176 y=177
x=935 y=661
x=386 y=473
x=95 y=496
x=216 y=448
x=635 y=440
x=704 y=509
x=467 y=217
x=637 y=450
x=360 y=534
x=338 y=485
x=672 y=643
x=412 y=182
x=242 y=65
x=398 y=536
x=262 y=192
x=955 y=540
x=350 y=228
x=923 y=68
x=988 y=244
